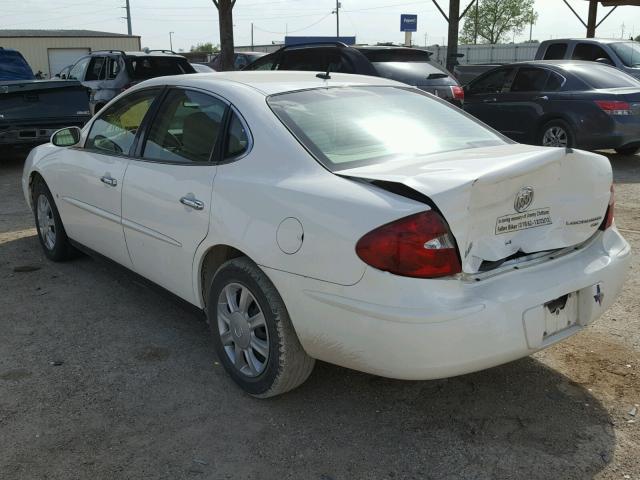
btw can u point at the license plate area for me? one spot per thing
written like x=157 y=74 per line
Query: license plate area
x=560 y=313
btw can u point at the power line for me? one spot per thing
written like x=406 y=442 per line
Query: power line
x=293 y=31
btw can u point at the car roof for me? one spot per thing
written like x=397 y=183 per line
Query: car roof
x=272 y=82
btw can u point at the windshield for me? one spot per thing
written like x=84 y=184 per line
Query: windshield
x=345 y=127
x=13 y=66
x=629 y=53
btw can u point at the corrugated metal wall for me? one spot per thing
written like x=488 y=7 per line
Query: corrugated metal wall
x=35 y=49
x=475 y=54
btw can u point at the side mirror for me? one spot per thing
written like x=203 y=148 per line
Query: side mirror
x=606 y=61
x=66 y=137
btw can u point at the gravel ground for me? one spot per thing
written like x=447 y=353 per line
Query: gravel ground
x=104 y=378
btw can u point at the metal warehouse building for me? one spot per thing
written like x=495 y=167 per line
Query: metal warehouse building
x=49 y=51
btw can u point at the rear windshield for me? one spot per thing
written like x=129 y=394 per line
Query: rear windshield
x=396 y=55
x=150 y=67
x=345 y=127
x=13 y=66
x=602 y=76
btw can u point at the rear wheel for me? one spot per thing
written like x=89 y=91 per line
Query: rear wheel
x=627 y=150
x=252 y=333
x=556 y=133
x=51 y=234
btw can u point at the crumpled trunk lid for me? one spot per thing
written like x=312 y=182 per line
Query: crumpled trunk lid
x=505 y=200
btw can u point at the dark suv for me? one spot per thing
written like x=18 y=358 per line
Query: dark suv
x=406 y=65
x=107 y=73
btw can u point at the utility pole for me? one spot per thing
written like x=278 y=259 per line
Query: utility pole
x=337 y=12
x=251 y=35
x=128 y=18
x=475 y=36
x=171 y=41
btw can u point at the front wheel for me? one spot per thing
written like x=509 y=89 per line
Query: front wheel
x=627 y=150
x=51 y=233
x=556 y=133
x=252 y=333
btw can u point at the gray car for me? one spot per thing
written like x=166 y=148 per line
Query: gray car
x=107 y=73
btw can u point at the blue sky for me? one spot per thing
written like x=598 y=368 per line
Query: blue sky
x=195 y=21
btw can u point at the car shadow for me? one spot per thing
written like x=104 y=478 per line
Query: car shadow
x=157 y=390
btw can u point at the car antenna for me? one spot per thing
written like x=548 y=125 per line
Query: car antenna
x=325 y=76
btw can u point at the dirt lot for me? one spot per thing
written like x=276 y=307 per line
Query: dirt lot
x=104 y=378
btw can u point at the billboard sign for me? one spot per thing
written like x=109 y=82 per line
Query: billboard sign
x=408 y=23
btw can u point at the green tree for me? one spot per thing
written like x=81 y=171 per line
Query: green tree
x=205 y=48
x=497 y=20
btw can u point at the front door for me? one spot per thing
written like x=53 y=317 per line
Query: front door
x=166 y=200
x=483 y=95
x=90 y=178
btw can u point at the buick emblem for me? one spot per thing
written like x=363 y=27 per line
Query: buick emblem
x=524 y=199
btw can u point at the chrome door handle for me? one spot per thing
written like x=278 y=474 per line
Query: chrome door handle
x=192 y=202
x=112 y=182
x=543 y=97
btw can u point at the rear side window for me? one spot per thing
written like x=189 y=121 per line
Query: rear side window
x=589 y=52
x=185 y=128
x=555 y=51
x=96 y=70
x=150 y=67
x=530 y=80
x=237 y=138
x=493 y=82
x=115 y=129
x=554 y=82
x=304 y=59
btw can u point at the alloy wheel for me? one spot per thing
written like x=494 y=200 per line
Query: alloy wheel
x=46 y=222
x=555 y=137
x=243 y=330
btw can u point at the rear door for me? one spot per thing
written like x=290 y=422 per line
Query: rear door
x=483 y=95
x=94 y=78
x=166 y=199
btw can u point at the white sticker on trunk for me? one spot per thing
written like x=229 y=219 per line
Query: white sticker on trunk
x=538 y=217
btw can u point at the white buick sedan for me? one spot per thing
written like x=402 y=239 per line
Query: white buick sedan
x=349 y=219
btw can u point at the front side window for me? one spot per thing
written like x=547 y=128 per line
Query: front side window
x=115 y=130
x=493 y=82
x=77 y=71
x=185 y=128
x=96 y=69
x=268 y=62
x=345 y=127
x=530 y=80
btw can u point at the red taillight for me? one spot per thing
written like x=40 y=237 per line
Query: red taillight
x=608 y=217
x=416 y=246
x=614 y=107
x=457 y=92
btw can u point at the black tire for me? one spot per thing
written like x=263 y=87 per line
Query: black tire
x=60 y=249
x=627 y=150
x=557 y=124
x=287 y=364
